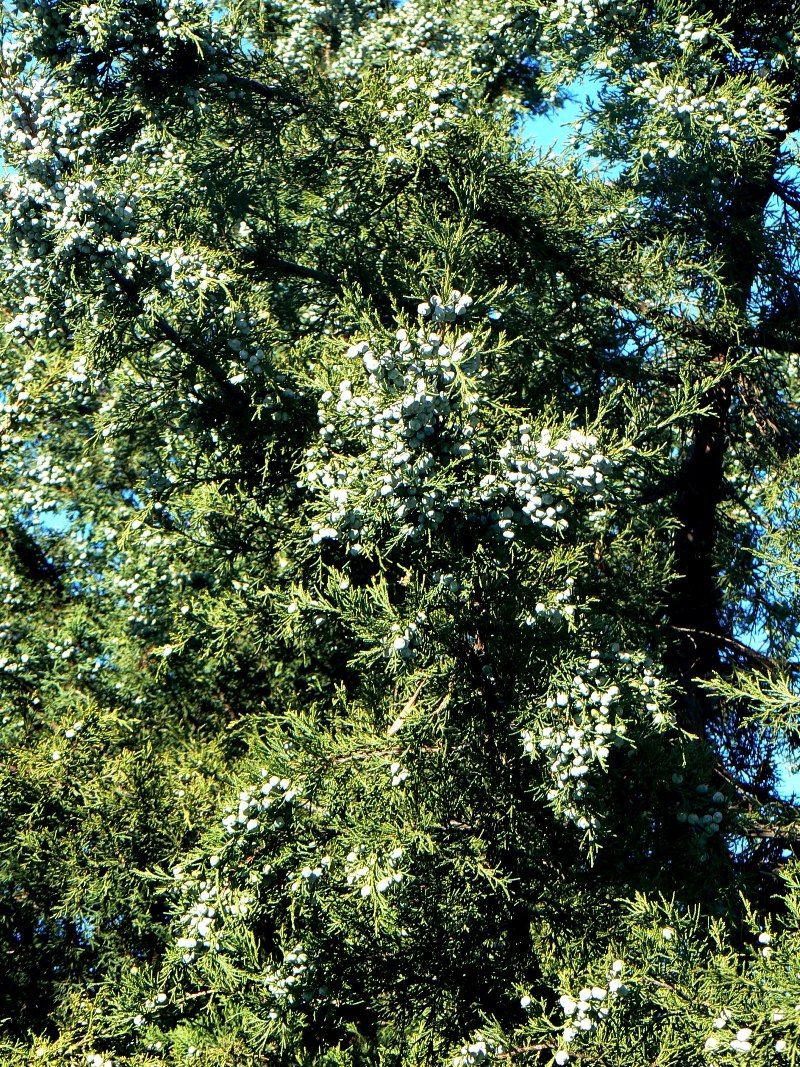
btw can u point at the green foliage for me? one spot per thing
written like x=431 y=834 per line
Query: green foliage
x=398 y=535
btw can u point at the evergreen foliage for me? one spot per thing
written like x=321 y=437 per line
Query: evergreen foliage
x=399 y=534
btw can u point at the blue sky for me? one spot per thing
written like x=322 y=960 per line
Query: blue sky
x=550 y=131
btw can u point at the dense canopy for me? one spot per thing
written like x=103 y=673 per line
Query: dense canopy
x=398 y=533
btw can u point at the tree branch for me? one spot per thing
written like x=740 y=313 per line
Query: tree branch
x=169 y=333
x=263 y=261
x=784 y=194
x=269 y=92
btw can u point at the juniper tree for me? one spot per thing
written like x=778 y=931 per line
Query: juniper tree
x=399 y=534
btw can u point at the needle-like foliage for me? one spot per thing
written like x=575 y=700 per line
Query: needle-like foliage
x=399 y=534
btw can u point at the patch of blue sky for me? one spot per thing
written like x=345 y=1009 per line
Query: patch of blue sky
x=53 y=522
x=550 y=131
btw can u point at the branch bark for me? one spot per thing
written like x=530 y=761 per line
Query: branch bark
x=169 y=333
